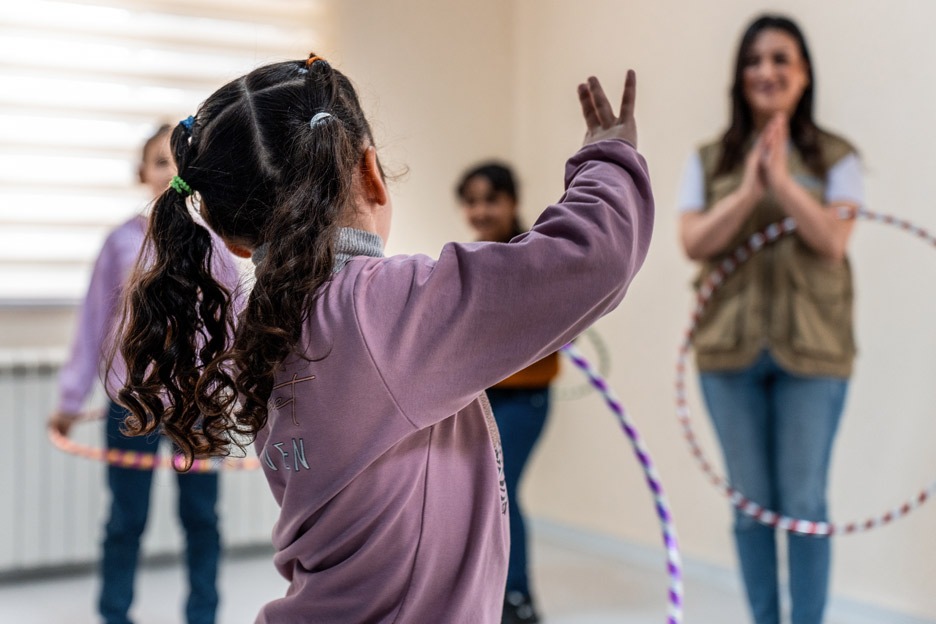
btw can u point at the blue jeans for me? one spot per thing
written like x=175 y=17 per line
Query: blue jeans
x=520 y=415
x=776 y=431
x=130 y=494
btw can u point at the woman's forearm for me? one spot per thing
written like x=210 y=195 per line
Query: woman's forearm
x=707 y=234
x=816 y=224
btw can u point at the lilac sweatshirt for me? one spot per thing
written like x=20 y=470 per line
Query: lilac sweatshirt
x=381 y=449
x=97 y=317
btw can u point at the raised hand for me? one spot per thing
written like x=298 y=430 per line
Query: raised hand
x=600 y=121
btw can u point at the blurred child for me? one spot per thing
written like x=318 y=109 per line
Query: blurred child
x=489 y=199
x=129 y=487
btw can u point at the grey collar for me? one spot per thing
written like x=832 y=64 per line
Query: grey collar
x=350 y=243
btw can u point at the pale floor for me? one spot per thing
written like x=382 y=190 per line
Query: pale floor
x=575 y=587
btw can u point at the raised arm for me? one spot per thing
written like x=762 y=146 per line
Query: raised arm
x=443 y=331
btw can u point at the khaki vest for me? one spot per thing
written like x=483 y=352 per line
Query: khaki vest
x=786 y=298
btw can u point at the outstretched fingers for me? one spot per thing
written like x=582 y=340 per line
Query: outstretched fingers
x=588 y=107
x=600 y=119
x=602 y=105
x=629 y=101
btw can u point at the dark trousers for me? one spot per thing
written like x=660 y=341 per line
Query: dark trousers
x=520 y=415
x=130 y=496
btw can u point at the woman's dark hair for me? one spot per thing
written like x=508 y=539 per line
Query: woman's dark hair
x=502 y=180
x=803 y=130
x=265 y=174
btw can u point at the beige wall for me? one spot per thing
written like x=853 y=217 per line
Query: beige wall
x=27 y=328
x=436 y=79
x=449 y=83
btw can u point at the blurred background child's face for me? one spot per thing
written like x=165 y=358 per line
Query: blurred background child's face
x=157 y=168
x=490 y=214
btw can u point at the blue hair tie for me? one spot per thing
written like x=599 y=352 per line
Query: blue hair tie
x=187 y=123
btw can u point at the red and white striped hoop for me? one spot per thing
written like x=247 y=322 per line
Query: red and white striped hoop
x=710 y=285
x=145 y=461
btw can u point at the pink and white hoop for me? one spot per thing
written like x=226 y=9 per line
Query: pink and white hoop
x=145 y=461
x=710 y=285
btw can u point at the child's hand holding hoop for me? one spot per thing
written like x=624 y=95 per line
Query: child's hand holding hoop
x=62 y=422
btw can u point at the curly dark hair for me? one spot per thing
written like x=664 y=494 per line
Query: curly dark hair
x=804 y=132
x=263 y=174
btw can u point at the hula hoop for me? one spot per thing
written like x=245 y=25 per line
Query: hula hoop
x=573 y=392
x=709 y=286
x=145 y=461
x=673 y=559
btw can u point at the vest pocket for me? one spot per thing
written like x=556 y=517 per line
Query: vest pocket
x=821 y=309
x=720 y=328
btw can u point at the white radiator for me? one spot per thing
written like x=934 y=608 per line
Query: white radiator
x=53 y=505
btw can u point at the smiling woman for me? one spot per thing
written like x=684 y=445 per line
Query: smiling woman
x=775 y=74
x=775 y=348
x=70 y=124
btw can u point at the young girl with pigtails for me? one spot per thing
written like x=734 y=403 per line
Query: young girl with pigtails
x=360 y=377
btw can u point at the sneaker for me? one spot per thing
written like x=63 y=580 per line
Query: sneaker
x=518 y=609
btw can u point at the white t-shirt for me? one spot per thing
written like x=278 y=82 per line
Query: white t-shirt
x=844 y=183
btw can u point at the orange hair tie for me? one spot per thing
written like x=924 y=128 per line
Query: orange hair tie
x=312 y=59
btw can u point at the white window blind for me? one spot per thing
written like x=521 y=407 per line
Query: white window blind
x=82 y=84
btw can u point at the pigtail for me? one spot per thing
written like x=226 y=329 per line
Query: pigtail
x=299 y=239
x=273 y=157
x=178 y=319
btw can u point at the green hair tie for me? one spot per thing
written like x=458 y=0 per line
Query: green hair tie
x=180 y=186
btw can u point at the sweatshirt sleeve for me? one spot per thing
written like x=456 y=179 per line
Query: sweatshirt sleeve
x=442 y=331
x=95 y=321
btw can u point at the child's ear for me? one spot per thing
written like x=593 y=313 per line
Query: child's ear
x=375 y=187
x=140 y=175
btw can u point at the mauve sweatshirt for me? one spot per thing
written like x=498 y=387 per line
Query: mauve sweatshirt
x=380 y=446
